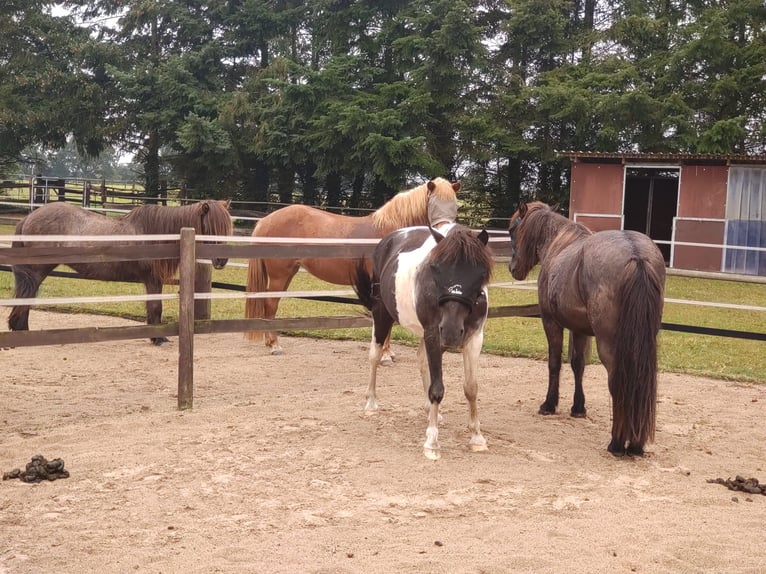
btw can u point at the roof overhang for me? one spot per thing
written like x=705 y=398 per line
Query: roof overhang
x=664 y=158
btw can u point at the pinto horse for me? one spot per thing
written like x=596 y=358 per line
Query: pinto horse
x=434 y=284
x=432 y=202
x=208 y=217
x=609 y=285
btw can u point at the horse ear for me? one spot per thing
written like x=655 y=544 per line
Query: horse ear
x=483 y=236
x=456 y=186
x=204 y=207
x=435 y=234
x=555 y=207
x=522 y=210
x=430 y=186
x=228 y=203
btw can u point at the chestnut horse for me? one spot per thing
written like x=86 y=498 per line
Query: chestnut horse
x=435 y=198
x=208 y=217
x=434 y=284
x=609 y=285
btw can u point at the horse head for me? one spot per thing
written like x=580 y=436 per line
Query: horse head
x=460 y=267
x=215 y=220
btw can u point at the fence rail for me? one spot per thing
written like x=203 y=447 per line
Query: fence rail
x=188 y=248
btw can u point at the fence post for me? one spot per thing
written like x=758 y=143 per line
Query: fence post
x=203 y=283
x=186 y=319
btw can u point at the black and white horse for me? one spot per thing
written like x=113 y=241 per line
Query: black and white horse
x=434 y=284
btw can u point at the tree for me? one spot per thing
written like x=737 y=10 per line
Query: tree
x=48 y=88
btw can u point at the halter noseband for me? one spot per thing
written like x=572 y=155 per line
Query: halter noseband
x=455 y=293
x=514 y=225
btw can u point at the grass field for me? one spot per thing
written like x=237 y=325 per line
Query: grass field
x=707 y=355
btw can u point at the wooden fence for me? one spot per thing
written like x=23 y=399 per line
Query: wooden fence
x=188 y=248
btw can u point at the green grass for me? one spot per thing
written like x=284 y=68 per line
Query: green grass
x=718 y=357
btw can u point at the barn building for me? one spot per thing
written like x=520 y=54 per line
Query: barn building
x=705 y=211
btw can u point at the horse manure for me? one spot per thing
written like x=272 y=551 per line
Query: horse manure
x=39 y=469
x=748 y=485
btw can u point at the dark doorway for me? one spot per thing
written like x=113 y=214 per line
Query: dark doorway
x=651 y=203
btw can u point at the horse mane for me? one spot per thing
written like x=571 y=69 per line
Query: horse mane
x=461 y=245
x=409 y=208
x=539 y=227
x=169 y=220
x=160 y=219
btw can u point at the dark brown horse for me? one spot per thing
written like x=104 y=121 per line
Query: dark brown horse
x=206 y=217
x=609 y=285
x=434 y=284
x=405 y=209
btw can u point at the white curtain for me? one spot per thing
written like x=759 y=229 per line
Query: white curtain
x=746 y=220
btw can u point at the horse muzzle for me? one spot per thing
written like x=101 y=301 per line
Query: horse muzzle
x=219 y=262
x=515 y=271
x=452 y=324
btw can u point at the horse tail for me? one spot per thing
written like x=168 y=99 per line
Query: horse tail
x=257 y=280
x=634 y=381
x=361 y=281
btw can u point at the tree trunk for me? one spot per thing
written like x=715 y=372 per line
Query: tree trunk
x=332 y=185
x=286 y=184
x=152 y=167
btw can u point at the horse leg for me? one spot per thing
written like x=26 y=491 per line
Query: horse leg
x=382 y=324
x=580 y=346
x=606 y=353
x=555 y=335
x=471 y=352
x=153 y=286
x=388 y=357
x=281 y=273
x=425 y=376
x=26 y=283
x=435 y=392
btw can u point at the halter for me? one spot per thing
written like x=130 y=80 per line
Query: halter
x=202 y=226
x=455 y=293
x=514 y=225
x=452 y=287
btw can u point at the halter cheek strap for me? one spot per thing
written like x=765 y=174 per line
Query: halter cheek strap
x=203 y=231
x=514 y=225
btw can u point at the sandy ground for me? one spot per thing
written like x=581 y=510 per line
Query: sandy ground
x=276 y=469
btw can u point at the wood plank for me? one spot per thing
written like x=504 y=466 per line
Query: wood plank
x=286 y=324
x=272 y=251
x=88 y=253
x=85 y=335
x=186 y=320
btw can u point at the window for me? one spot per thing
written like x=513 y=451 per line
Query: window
x=746 y=221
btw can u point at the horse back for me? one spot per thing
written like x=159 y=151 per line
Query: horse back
x=582 y=283
x=306 y=221
x=65 y=219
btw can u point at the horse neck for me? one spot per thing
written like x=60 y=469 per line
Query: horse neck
x=561 y=233
x=406 y=209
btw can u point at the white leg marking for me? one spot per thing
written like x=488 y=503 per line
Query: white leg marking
x=471 y=352
x=431 y=446
x=376 y=351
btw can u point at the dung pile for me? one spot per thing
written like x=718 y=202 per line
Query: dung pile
x=39 y=469
x=749 y=485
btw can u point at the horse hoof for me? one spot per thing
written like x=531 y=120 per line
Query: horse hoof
x=159 y=341
x=478 y=446
x=634 y=450
x=276 y=352
x=431 y=453
x=546 y=411
x=616 y=448
x=578 y=414
x=370 y=412
x=386 y=362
